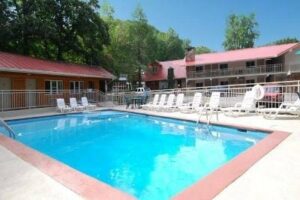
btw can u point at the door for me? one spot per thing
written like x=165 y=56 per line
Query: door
x=5 y=93
x=31 y=92
x=102 y=84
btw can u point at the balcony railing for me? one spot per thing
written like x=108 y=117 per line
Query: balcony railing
x=263 y=69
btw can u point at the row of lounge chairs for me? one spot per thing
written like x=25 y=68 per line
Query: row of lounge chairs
x=74 y=106
x=247 y=106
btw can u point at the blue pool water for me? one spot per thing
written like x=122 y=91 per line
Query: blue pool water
x=148 y=157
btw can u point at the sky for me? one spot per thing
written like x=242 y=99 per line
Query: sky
x=204 y=22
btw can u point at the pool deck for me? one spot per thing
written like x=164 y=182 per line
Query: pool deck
x=275 y=176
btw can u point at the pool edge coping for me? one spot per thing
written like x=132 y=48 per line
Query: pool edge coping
x=212 y=185
x=74 y=179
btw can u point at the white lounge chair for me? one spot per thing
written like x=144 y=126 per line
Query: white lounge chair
x=192 y=107
x=284 y=108
x=85 y=103
x=74 y=106
x=161 y=102
x=154 y=102
x=178 y=103
x=61 y=106
x=211 y=107
x=169 y=103
x=242 y=108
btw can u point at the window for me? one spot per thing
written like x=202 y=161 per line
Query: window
x=223 y=66
x=76 y=86
x=53 y=86
x=91 y=85
x=199 y=68
x=154 y=69
x=224 y=83
x=199 y=84
x=250 y=64
x=250 y=81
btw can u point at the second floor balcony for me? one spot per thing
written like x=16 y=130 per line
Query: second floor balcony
x=237 y=71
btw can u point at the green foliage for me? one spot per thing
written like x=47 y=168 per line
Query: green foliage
x=202 y=49
x=286 y=40
x=69 y=30
x=106 y=10
x=73 y=31
x=241 y=32
x=135 y=43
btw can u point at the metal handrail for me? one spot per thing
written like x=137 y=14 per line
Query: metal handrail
x=12 y=134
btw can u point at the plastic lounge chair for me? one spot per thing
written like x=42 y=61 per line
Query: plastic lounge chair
x=154 y=102
x=74 y=106
x=86 y=104
x=284 y=108
x=192 y=107
x=211 y=107
x=178 y=103
x=169 y=104
x=61 y=106
x=242 y=108
x=161 y=102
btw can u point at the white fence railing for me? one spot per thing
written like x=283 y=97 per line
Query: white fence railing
x=276 y=93
x=26 y=99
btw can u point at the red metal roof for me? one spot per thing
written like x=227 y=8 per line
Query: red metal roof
x=23 y=64
x=218 y=58
x=162 y=72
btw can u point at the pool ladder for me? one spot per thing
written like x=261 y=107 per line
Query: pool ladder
x=11 y=133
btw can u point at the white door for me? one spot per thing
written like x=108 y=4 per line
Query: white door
x=5 y=94
x=31 y=92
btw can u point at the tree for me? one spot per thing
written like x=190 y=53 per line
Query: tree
x=143 y=40
x=286 y=40
x=55 y=29
x=241 y=32
x=202 y=49
x=106 y=10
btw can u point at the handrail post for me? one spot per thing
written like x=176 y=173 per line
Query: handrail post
x=2 y=101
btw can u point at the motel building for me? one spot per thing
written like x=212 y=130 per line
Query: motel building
x=30 y=82
x=244 y=66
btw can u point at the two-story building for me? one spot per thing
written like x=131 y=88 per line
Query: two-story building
x=251 y=65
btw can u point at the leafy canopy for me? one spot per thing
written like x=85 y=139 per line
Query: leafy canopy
x=241 y=32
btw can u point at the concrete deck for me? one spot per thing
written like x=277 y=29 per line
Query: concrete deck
x=275 y=176
x=20 y=180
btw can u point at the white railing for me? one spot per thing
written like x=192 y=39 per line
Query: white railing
x=26 y=99
x=230 y=94
x=262 y=69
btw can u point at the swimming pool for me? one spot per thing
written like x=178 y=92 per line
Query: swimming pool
x=146 y=156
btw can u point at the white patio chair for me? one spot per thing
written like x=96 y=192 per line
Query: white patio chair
x=284 y=108
x=74 y=106
x=154 y=102
x=61 y=106
x=85 y=103
x=211 y=107
x=192 y=107
x=169 y=104
x=161 y=102
x=242 y=108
